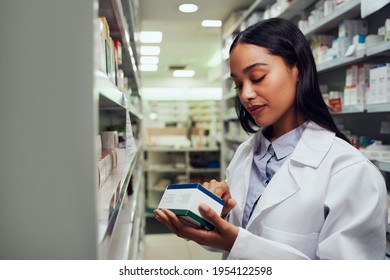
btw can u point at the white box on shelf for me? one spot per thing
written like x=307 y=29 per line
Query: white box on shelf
x=383 y=82
x=372 y=96
x=364 y=73
x=355 y=95
x=184 y=201
x=352 y=74
x=109 y=140
x=387 y=29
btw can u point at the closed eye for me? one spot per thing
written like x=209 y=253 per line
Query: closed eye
x=255 y=81
x=238 y=88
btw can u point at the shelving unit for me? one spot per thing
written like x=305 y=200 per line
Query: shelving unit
x=179 y=113
x=54 y=104
x=121 y=197
x=361 y=120
x=349 y=10
x=164 y=165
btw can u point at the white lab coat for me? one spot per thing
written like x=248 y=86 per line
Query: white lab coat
x=327 y=201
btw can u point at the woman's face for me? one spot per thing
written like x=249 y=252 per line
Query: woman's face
x=265 y=85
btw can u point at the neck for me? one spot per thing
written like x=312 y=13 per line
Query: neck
x=281 y=128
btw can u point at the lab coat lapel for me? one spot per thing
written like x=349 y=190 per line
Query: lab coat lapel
x=310 y=150
x=277 y=190
x=245 y=170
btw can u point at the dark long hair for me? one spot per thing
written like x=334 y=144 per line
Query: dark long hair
x=282 y=38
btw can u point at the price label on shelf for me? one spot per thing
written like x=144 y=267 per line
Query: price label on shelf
x=130 y=143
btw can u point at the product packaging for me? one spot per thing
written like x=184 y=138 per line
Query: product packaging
x=184 y=201
x=379 y=84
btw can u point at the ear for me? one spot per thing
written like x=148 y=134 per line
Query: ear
x=295 y=72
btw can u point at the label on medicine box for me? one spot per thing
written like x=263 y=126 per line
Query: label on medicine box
x=184 y=201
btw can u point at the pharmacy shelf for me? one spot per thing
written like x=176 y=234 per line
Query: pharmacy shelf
x=257 y=5
x=117 y=209
x=352 y=109
x=120 y=29
x=346 y=11
x=380 y=107
x=117 y=182
x=164 y=164
x=371 y=108
x=109 y=91
x=109 y=94
x=184 y=149
x=382 y=165
x=163 y=169
x=349 y=10
x=203 y=170
x=382 y=48
x=341 y=62
x=295 y=8
x=236 y=139
x=115 y=186
x=129 y=226
x=229 y=95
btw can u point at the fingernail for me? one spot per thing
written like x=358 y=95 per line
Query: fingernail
x=204 y=207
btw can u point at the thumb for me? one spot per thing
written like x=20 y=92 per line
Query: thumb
x=210 y=215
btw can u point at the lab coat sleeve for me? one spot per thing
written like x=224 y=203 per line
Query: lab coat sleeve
x=250 y=246
x=355 y=227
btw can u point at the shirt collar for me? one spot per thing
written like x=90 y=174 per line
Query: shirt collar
x=283 y=146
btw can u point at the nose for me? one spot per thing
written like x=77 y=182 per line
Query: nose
x=247 y=93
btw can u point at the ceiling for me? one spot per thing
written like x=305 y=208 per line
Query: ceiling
x=185 y=42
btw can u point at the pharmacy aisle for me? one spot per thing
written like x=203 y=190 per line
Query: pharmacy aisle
x=170 y=247
x=161 y=244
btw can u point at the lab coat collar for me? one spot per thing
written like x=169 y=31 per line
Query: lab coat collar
x=310 y=151
x=315 y=139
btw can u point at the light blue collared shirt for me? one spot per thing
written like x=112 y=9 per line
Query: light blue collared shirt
x=267 y=159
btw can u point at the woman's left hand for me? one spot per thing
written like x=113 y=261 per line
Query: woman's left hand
x=222 y=237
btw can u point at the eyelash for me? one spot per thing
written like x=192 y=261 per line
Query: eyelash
x=239 y=87
x=258 y=80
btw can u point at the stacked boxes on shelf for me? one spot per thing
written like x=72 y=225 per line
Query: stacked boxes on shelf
x=379 y=84
x=109 y=54
x=365 y=83
x=107 y=158
x=356 y=85
x=351 y=38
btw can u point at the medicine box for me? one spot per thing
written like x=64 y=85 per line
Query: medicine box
x=184 y=201
x=379 y=84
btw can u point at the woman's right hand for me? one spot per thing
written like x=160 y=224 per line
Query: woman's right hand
x=221 y=189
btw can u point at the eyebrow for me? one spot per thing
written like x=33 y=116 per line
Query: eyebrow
x=250 y=67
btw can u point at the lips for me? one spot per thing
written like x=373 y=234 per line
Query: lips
x=256 y=109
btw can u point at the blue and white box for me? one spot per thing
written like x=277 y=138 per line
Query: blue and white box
x=184 y=201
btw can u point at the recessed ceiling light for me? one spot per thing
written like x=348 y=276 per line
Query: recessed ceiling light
x=149 y=59
x=148 y=67
x=188 y=8
x=150 y=50
x=183 y=73
x=211 y=23
x=151 y=37
x=153 y=116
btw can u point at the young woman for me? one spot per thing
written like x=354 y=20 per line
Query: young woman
x=296 y=189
